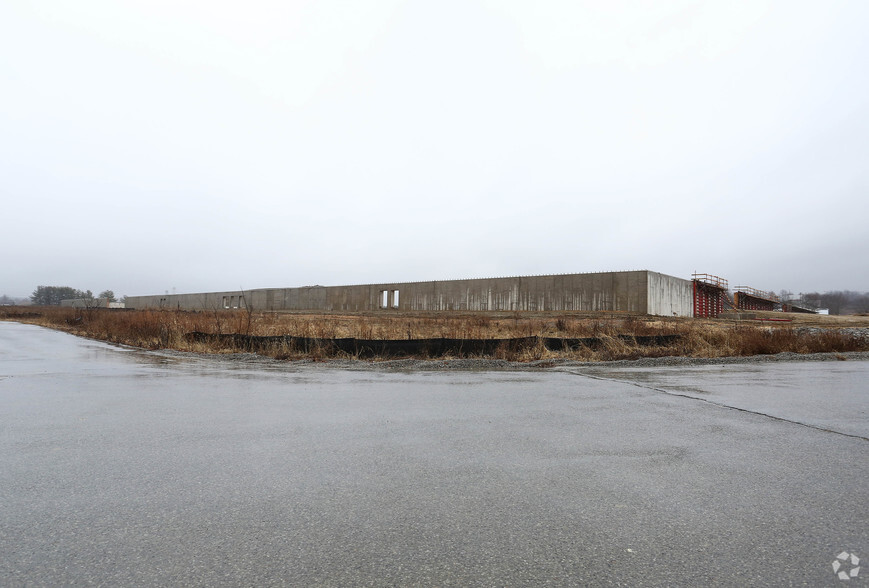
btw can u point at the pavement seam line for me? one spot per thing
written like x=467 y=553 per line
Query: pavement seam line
x=718 y=404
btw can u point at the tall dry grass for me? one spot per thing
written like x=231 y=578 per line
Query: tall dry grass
x=167 y=329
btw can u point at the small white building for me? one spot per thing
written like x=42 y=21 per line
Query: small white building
x=91 y=303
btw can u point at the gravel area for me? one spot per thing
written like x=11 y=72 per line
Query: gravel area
x=856 y=332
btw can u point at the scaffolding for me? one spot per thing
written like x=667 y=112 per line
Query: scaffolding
x=710 y=280
x=762 y=294
x=710 y=295
x=748 y=298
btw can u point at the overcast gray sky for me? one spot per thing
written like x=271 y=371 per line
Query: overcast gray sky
x=158 y=145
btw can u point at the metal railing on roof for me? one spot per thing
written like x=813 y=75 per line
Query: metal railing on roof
x=716 y=281
x=762 y=294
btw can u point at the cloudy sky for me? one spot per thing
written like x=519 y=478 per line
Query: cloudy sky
x=152 y=146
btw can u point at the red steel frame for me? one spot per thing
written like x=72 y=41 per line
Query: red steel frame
x=748 y=298
x=709 y=294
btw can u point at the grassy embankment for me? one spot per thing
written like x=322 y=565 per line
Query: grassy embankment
x=166 y=329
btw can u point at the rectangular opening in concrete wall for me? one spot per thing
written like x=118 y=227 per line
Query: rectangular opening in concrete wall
x=395 y=299
x=241 y=301
x=226 y=302
x=384 y=298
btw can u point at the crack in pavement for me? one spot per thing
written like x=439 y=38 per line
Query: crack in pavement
x=718 y=404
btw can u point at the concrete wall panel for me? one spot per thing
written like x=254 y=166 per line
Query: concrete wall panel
x=669 y=296
x=637 y=291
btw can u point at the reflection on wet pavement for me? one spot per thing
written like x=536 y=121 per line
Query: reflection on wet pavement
x=123 y=467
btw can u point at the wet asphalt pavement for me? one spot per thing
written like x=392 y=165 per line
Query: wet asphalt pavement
x=126 y=468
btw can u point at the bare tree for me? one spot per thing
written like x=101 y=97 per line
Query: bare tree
x=246 y=302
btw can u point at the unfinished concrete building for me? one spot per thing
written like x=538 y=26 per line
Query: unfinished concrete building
x=748 y=298
x=710 y=295
x=641 y=292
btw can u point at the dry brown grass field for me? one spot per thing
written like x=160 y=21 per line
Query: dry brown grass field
x=752 y=334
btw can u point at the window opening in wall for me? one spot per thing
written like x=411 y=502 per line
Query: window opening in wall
x=233 y=302
x=226 y=302
x=384 y=298
x=241 y=301
x=395 y=299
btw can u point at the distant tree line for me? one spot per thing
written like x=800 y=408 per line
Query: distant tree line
x=840 y=301
x=52 y=295
x=11 y=301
